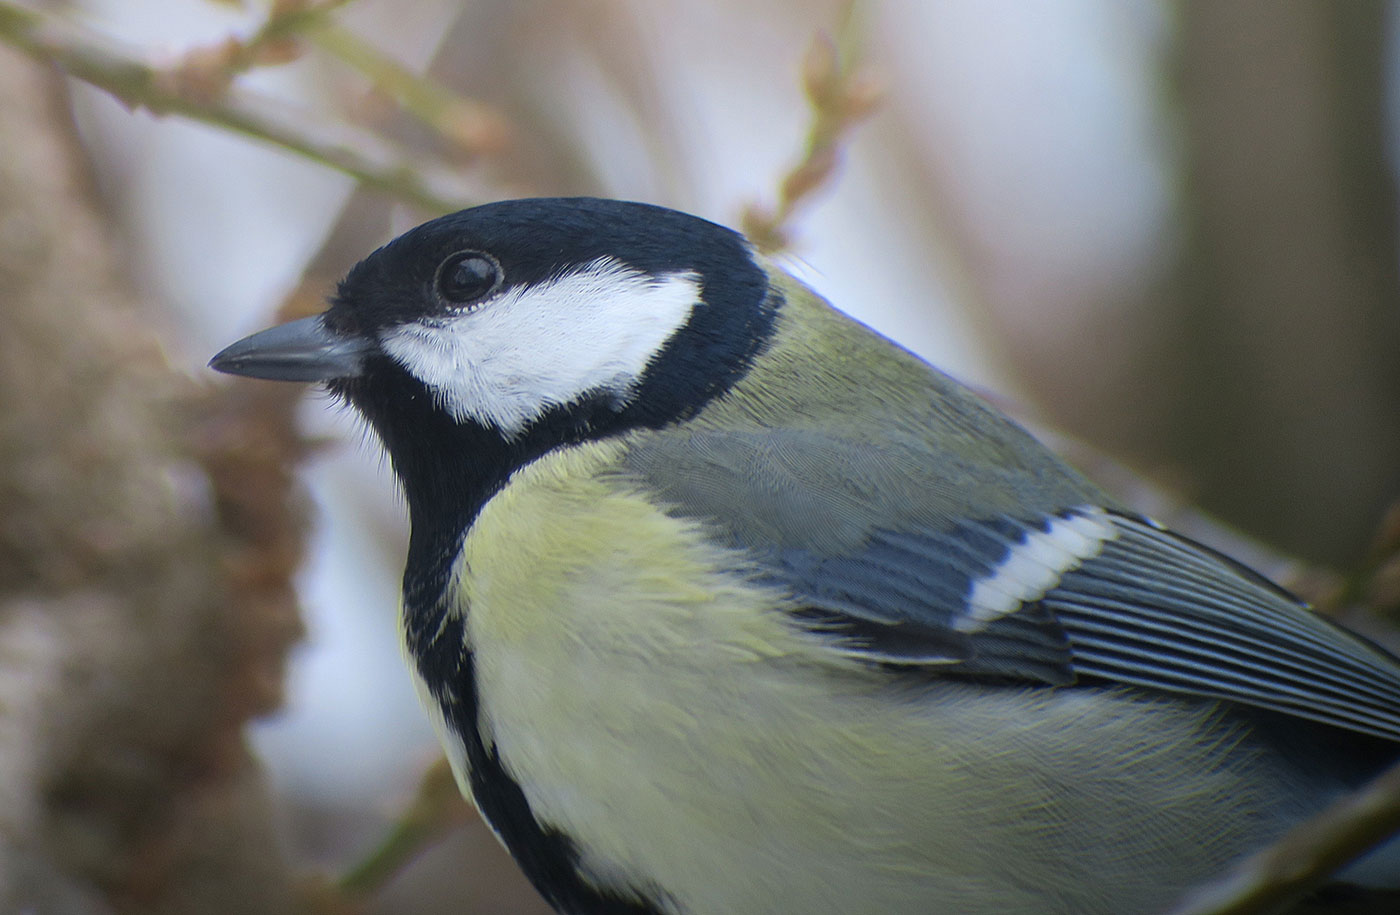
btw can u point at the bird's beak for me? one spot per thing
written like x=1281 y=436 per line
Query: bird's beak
x=304 y=350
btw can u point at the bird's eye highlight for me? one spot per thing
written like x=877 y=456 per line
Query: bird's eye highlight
x=467 y=277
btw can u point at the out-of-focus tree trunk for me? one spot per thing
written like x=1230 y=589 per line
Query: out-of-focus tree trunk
x=144 y=563
x=1288 y=365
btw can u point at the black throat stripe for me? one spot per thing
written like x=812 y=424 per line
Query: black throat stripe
x=548 y=857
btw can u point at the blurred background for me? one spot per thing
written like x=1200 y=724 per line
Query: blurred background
x=1162 y=233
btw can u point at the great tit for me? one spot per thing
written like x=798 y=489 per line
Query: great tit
x=723 y=604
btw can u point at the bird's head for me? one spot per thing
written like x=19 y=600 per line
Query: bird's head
x=523 y=324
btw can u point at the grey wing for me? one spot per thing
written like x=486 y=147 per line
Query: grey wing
x=888 y=562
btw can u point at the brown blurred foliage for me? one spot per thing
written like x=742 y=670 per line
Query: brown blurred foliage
x=145 y=601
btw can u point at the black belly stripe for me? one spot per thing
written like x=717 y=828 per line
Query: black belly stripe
x=548 y=857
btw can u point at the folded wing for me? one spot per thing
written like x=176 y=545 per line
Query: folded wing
x=886 y=562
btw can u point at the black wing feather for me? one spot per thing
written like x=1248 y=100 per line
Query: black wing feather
x=881 y=563
x=1158 y=610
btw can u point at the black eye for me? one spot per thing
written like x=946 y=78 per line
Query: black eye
x=467 y=276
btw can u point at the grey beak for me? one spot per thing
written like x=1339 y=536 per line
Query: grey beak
x=302 y=350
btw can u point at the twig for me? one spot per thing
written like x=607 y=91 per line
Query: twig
x=470 y=126
x=1303 y=859
x=841 y=95
x=363 y=155
x=437 y=809
x=1375 y=583
x=277 y=41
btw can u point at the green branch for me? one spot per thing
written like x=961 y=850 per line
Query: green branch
x=470 y=126
x=437 y=809
x=363 y=155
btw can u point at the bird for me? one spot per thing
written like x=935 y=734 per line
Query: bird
x=722 y=603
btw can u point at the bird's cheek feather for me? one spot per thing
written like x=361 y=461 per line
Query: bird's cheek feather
x=510 y=360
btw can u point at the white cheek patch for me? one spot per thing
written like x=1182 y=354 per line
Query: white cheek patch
x=511 y=359
x=1034 y=566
